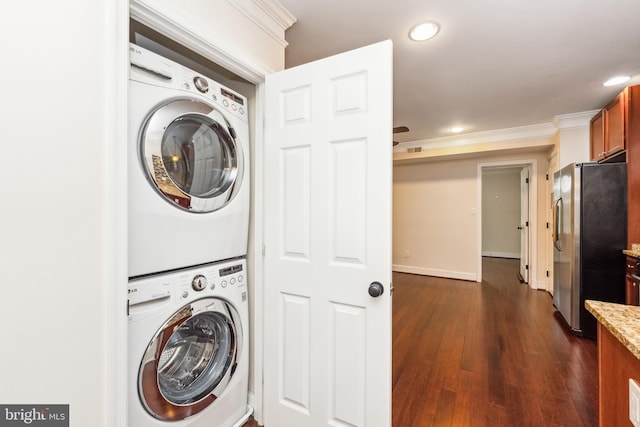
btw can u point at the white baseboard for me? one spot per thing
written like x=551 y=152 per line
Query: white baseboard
x=515 y=255
x=541 y=285
x=460 y=275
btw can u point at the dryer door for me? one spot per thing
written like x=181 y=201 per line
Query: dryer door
x=190 y=155
x=190 y=360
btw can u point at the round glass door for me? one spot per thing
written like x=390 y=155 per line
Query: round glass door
x=195 y=359
x=190 y=155
x=190 y=360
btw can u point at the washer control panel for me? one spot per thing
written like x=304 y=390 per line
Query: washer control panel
x=220 y=279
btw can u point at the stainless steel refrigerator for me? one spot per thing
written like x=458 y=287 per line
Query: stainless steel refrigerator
x=590 y=232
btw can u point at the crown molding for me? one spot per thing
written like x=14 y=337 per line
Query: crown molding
x=269 y=15
x=574 y=120
x=168 y=20
x=543 y=130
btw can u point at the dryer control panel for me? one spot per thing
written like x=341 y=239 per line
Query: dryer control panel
x=150 y=68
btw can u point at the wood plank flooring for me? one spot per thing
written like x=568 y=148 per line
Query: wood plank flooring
x=486 y=354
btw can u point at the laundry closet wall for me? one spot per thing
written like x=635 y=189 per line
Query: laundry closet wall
x=63 y=245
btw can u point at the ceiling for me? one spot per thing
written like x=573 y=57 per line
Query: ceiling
x=495 y=64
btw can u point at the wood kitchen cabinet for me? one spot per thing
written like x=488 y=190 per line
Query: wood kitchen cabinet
x=633 y=164
x=618 y=359
x=616 y=366
x=609 y=127
x=597 y=136
x=632 y=292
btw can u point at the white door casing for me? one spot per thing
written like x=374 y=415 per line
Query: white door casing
x=524 y=223
x=328 y=180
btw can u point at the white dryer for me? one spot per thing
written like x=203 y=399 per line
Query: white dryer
x=188 y=167
x=188 y=348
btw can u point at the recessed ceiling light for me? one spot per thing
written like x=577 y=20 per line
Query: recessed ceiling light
x=616 y=80
x=456 y=129
x=424 y=31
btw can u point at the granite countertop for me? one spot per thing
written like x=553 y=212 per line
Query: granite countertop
x=630 y=253
x=623 y=321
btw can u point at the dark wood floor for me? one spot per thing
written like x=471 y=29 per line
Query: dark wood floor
x=490 y=354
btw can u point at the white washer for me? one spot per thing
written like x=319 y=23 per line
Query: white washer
x=188 y=167
x=188 y=347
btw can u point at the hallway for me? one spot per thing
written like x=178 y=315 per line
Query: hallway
x=489 y=354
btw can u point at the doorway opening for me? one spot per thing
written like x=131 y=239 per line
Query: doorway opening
x=507 y=194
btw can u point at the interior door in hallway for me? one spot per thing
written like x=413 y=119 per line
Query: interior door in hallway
x=328 y=178
x=524 y=223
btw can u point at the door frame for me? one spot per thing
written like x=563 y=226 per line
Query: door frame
x=255 y=73
x=532 y=165
x=524 y=215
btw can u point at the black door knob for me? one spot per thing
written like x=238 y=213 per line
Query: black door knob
x=376 y=289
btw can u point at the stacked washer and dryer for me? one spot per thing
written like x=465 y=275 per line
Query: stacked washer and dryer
x=188 y=230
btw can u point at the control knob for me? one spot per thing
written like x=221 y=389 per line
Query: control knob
x=201 y=84
x=199 y=282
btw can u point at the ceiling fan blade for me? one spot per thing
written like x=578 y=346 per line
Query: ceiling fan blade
x=400 y=129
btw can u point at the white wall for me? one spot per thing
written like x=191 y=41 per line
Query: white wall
x=573 y=140
x=63 y=248
x=435 y=208
x=501 y=212
x=61 y=260
x=434 y=225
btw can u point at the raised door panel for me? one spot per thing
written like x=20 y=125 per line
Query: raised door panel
x=614 y=139
x=631 y=292
x=633 y=164
x=597 y=137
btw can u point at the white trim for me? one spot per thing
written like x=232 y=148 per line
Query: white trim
x=543 y=130
x=115 y=92
x=256 y=397
x=448 y=274
x=268 y=15
x=171 y=23
x=251 y=400
x=540 y=285
x=501 y=254
x=574 y=120
x=533 y=213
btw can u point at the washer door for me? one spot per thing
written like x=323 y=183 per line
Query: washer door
x=190 y=155
x=190 y=360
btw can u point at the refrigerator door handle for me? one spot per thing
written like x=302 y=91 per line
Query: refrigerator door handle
x=557 y=226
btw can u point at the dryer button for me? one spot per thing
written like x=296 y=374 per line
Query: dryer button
x=240 y=278
x=185 y=294
x=223 y=284
x=232 y=281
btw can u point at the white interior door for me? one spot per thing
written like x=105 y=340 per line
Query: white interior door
x=328 y=178
x=524 y=223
